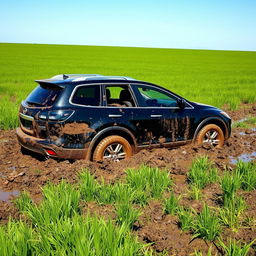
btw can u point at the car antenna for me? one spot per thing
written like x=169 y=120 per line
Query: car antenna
x=65 y=77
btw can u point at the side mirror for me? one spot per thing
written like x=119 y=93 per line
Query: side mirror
x=181 y=103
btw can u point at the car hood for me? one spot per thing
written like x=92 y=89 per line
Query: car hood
x=203 y=106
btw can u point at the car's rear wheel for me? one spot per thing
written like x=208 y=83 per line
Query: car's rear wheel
x=210 y=135
x=113 y=148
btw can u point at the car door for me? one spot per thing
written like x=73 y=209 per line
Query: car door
x=118 y=105
x=159 y=118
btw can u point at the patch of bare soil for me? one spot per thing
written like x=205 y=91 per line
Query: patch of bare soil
x=243 y=111
x=22 y=171
x=164 y=232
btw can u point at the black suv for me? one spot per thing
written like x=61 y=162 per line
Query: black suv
x=97 y=117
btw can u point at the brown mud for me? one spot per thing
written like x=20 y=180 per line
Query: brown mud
x=76 y=128
x=25 y=171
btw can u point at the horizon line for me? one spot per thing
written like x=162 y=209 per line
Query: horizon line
x=124 y=46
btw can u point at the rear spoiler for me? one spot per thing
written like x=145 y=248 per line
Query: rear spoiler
x=50 y=82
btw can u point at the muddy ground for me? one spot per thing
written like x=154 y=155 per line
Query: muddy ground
x=21 y=171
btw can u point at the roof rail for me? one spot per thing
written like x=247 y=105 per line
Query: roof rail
x=99 y=77
x=114 y=77
x=67 y=76
x=83 y=77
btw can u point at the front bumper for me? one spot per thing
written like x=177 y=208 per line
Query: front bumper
x=42 y=145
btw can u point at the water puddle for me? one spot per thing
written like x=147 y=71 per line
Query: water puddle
x=242 y=120
x=244 y=133
x=6 y=196
x=252 y=132
x=244 y=157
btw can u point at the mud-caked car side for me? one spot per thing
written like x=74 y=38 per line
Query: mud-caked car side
x=98 y=117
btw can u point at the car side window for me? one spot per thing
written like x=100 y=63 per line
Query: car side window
x=87 y=95
x=150 y=97
x=118 y=96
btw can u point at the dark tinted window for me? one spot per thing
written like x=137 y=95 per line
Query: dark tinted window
x=43 y=95
x=87 y=95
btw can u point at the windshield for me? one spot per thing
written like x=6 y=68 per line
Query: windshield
x=43 y=96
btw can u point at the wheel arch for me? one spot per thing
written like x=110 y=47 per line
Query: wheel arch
x=212 y=120
x=113 y=130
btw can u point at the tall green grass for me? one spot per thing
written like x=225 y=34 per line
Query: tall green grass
x=230 y=183
x=202 y=172
x=186 y=218
x=126 y=214
x=207 y=225
x=16 y=238
x=211 y=77
x=61 y=201
x=58 y=228
x=248 y=173
x=152 y=181
x=171 y=205
x=81 y=236
x=233 y=204
x=235 y=248
x=140 y=185
x=232 y=211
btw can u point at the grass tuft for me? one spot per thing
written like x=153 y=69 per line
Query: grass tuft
x=235 y=248
x=202 y=172
x=171 y=205
x=186 y=218
x=206 y=225
x=231 y=213
x=59 y=201
x=126 y=214
x=230 y=183
x=248 y=173
x=152 y=181
x=195 y=193
x=16 y=238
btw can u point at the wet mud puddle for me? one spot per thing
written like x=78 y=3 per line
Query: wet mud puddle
x=244 y=157
x=8 y=195
x=252 y=132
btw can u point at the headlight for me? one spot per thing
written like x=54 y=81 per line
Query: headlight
x=225 y=114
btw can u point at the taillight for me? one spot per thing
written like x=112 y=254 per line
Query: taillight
x=51 y=152
x=56 y=115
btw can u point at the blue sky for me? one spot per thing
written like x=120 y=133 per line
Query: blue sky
x=194 y=24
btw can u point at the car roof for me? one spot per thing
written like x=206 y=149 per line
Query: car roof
x=65 y=79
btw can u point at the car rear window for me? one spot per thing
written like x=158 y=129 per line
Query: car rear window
x=87 y=95
x=44 y=95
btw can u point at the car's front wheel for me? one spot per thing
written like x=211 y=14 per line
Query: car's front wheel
x=113 y=148
x=210 y=135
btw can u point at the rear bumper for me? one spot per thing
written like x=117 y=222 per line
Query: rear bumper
x=41 y=146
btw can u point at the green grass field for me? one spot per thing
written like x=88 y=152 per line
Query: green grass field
x=211 y=77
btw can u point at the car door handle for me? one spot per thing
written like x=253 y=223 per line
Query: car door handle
x=155 y=115
x=110 y=115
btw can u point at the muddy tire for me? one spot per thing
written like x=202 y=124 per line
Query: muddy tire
x=210 y=135
x=114 y=148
